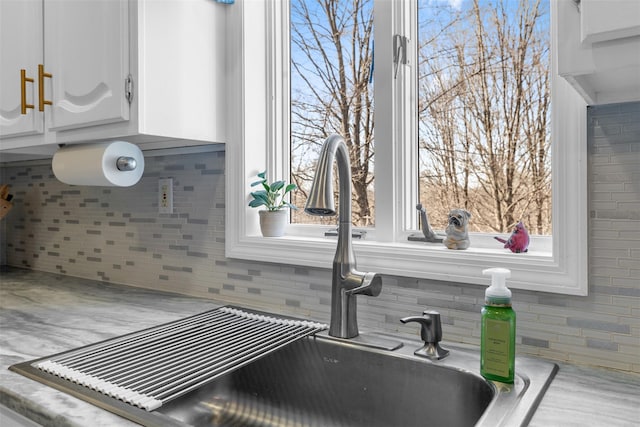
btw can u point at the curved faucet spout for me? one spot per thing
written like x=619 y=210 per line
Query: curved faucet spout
x=346 y=282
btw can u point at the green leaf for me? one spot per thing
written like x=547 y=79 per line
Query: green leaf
x=276 y=186
x=262 y=196
x=263 y=175
x=289 y=188
x=256 y=202
x=253 y=184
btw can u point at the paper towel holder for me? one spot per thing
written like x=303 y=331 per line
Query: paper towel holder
x=126 y=163
x=108 y=164
x=123 y=163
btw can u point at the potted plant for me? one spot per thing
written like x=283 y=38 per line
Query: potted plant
x=273 y=219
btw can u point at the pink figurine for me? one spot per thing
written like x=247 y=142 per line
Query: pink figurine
x=518 y=241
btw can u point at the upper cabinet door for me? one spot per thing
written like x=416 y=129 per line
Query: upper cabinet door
x=21 y=44
x=605 y=20
x=599 y=49
x=87 y=56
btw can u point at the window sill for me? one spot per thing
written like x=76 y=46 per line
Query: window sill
x=534 y=270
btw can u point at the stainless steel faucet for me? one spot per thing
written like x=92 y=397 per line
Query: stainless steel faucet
x=346 y=282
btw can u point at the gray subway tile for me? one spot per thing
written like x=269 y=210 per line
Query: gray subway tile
x=535 y=342
x=172 y=226
x=319 y=287
x=236 y=276
x=454 y=305
x=197 y=221
x=142 y=220
x=598 y=325
x=602 y=344
x=197 y=254
x=617 y=290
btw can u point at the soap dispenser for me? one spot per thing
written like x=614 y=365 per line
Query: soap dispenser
x=498 y=329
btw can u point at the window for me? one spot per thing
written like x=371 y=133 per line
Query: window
x=259 y=133
x=483 y=112
x=331 y=51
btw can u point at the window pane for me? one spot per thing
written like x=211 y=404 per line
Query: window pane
x=331 y=56
x=484 y=108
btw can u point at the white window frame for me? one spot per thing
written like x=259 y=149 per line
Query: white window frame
x=258 y=129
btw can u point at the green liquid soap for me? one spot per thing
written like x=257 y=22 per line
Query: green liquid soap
x=498 y=330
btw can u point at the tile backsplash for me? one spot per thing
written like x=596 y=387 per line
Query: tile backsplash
x=117 y=235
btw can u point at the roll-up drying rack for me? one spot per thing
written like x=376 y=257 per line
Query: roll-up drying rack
x=152 y=367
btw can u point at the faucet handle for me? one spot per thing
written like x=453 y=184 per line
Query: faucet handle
x=371 y=285
x=431 y=334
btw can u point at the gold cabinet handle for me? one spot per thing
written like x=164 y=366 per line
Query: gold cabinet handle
x=23 y=91
x=41 y=75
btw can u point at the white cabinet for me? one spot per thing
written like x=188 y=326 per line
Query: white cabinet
x=73 y=55
x=599 y=48
x=146 y=71
x=86 y=51
x=21 y=44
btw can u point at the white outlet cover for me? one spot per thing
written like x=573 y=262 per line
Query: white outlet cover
x=165 y=195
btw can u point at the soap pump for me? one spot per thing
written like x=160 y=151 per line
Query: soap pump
x=498 y=329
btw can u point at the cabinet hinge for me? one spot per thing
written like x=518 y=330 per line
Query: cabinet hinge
x=128 y=88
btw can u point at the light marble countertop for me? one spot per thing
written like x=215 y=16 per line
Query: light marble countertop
x=43 y=314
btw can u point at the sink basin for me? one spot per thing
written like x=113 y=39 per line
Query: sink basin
x=321 y=381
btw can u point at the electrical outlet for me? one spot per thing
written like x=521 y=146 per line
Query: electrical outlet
x=165 y=195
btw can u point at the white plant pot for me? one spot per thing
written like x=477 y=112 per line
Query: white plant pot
x=273 y=223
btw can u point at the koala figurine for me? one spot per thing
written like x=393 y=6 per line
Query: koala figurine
x=457 y=229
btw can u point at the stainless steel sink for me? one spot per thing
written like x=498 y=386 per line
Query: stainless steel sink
x=324 y=382
x=321 y=381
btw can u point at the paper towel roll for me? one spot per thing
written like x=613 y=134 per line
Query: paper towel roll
x=96 y=164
